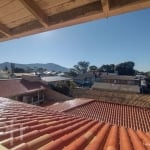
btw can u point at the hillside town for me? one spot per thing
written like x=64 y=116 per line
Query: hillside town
x=34 y=87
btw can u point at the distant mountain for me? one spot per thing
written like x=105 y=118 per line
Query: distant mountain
x=48 y=66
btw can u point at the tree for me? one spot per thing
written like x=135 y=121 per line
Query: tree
x=80 y=68
x=29 y=70
x=72 y=72
x=41 y=70
x=112 y=68
x=126 y=68
x=19 y=70
x=107 y=68
x=93 y=68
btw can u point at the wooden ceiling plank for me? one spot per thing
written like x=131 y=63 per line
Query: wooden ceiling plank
x=50 y=3
x=130 y=7
x=36 y=11
x=67 y=6
x=5 y=30
x=74 y=18
x=105 y=6
x=78 y=20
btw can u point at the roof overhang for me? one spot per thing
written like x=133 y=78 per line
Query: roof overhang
x=27 y=92
x=20 y=18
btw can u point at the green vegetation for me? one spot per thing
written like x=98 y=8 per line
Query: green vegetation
x=125 y=68
x=19 y=70
x=93 y=68
x=107 y=68
x=80 y=68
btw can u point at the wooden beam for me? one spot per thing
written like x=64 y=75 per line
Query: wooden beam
x=59 y=18
x=105 y=6
x=36 y=11
x=73 y=17
x=141 y=4
x=71 y=22
x=90 y=8
x=5 y=30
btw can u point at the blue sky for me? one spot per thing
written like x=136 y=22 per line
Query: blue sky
x=113 y=40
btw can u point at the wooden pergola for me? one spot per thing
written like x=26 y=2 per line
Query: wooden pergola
x=20 y=18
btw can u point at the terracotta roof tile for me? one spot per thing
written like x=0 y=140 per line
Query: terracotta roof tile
x=36 y=128
x=112 y=139
x=67 y=105
x=125 y=142
x=136 y=141
x=122 y=115
x=13 y=87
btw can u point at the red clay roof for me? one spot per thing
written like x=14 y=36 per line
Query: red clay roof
x=28 y=127
x=122 y=115
x=15 y=87
x=66 y=105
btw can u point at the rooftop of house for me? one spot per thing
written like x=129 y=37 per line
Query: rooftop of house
x=26 y=17
x=122 y=115
x=69 y=104
x=120 y=97
x=23 y=74
x=28 y=127
x=134 y=117
x=14 y=87
x=54 y=79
